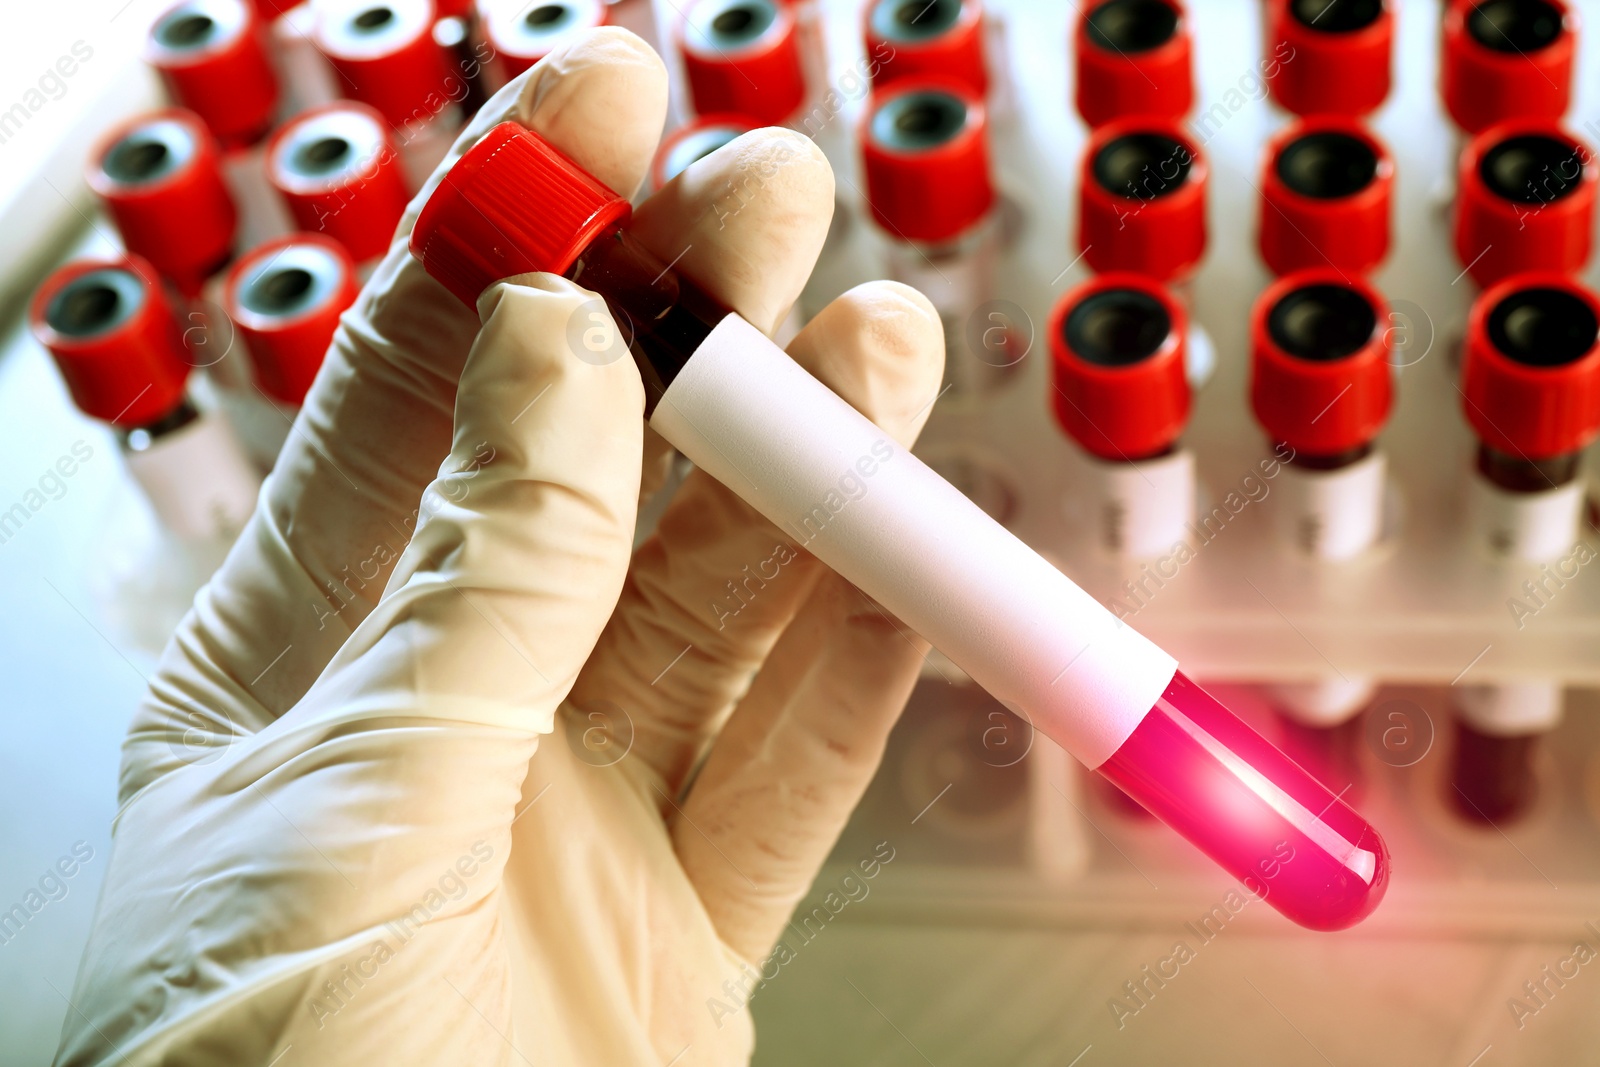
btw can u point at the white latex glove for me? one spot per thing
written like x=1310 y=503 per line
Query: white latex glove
x=341 y=840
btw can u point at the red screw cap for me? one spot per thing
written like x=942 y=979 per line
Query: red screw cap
x=1506 y=59
x=1320 y=379
x=743 y=57
x=1526 y=201
x=286 y=296
x=385 y=55
x=211 y=56
x=693 y=141
x=916 y=39
x=455 y=9
x=1117 y=347
x=161 y=179
x=1134 y=57
x=925 y=152
x=1327 y=191
x=114 y=337
x=1531 y=375
x=1142 y=199
x=523 y=34
x=1335 y=55
x=338 y=171
x=476 y=227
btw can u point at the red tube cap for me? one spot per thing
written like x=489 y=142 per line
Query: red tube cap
x=1134 y=57
x=340 y=174
x=1526 y=201
x=160 y=176
x=925 y=151
x=916 y=39
x=286 y=296
x=385 y=56
x=691 y=142
x=523 y=34
x=1531 y=374
x=743 y=56
x=1320 y=379
x=211 y=55
x=1327 y=191
x=1335 y=55
x=1142 y=199
x=1506 y=59
x=1117 y=345
x=114 y=337
x=476 y=227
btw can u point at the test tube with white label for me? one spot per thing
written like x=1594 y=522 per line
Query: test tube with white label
x=1133 y=57
x=121 y=352
x=744 y=57
x=1531 y=392
x=521 y=33
x=925 y=156
x=917 y=39
x=1322 y=388
x=1121 y=392
x=1334 y=57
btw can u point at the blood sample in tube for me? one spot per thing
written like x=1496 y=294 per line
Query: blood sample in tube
x=1134 y=57
x=1327 y=192
x=160 y=176
x=523 y=34
x=121 y=352
x=386 y=56
x=743 y=57
x=339 y=172
x=286 y=297
x=1322 y=388
x=1525 y=202
x=925 y=155
x=1121 y=392
x=1493 y=773
x=916 y=39
x=211 y=54
x=1531 y=392
x=1507 y=59
x=1334 y=55
x=736 y=405
x=1141 y=200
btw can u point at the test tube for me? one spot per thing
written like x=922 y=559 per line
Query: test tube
x=1327 y=195
x=160 y=177
x=1531 y=392
x=1133 y=57
x=925 y=155
x=212 y=56
x=1322 y=389
x=743 y=57
x=920 y=39
x=121 y=353
x=285 y=297
x=1526 y=201
x=1334 y=55
x=1141 y=199
x=1121 y=392
x=386 y=56
x=337 y=169
x=740 y=409
x=521 y=34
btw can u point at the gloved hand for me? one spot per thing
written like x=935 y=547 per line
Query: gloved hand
x=346 y=834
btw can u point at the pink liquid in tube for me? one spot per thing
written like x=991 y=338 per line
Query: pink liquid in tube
x=1265 y=820
x=743 y=411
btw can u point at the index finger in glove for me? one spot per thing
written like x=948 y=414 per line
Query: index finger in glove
x=343 y=500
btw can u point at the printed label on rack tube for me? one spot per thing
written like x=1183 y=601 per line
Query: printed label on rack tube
x=198 y=480
x=1534 y=527
x=843 y=489
x=1143 y=509
x=1511 y=709
x=1333 y=514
